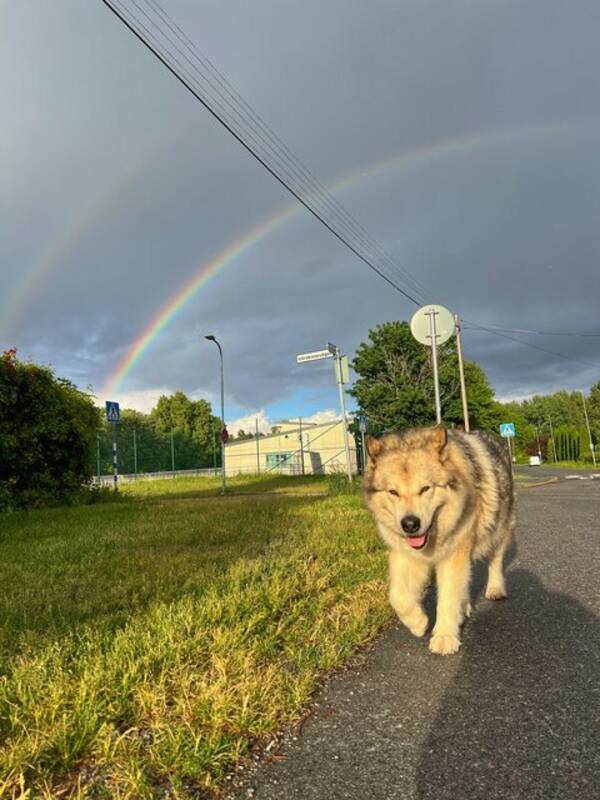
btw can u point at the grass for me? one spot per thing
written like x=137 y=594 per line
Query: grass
x=147 y=644
x=208 y=486
x=571 y=465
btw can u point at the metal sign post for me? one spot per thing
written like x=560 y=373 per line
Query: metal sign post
x=362 y=426
x=432 y=326
x=507 y=431
x=434 y=364
x=113 y=415
x=341 y=377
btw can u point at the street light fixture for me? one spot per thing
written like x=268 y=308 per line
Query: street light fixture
x=211 y=338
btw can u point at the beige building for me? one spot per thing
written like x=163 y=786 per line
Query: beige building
x=295 y=449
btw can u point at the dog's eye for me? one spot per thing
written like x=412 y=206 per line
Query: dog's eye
x=394 y=492
x=424 y=489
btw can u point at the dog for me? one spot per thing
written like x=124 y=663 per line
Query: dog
x=441 y=498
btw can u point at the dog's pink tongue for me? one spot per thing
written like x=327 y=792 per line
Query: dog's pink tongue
x=416 y=541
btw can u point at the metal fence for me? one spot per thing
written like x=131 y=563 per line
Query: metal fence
x=145 y=451
x=107 y=480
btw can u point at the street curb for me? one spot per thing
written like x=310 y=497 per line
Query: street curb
x=533 y=485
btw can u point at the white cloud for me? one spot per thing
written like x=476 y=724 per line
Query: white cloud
x=329 y=415
x=265 y=423
x=248 y=423
x=143 y=400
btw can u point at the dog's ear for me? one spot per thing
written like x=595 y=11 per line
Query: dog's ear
x=373 y=447
x=439 y=438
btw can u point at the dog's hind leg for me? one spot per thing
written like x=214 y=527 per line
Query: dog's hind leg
x=453 y=575
x=408 y=580
x=496 y=586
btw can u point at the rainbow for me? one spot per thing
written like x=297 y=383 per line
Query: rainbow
x=52 y=256
x=251 y=237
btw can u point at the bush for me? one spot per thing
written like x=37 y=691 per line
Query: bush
x=47 y=435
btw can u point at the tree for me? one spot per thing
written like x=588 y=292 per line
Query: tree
x=395 y=384
x=189 y=418
x=47 y=435
x=241 y=435
x=524 y=442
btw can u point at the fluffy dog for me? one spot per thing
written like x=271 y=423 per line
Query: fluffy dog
x=440 y=499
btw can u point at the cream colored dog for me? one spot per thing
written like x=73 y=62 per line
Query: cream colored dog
x=440 y=499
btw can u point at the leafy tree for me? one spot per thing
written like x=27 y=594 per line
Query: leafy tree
x=47 y=435
x=241 y=435
x=172 y=434
x=190 y=418
x=395 y=384
x=524 y=439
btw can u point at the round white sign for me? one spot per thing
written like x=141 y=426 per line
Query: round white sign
x=421 y=324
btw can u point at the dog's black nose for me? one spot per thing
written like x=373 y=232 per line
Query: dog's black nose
x=410 y=523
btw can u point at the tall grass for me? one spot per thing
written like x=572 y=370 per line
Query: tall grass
x=148 y=644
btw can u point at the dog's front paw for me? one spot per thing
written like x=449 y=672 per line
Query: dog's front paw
x=444 y=645
x=416 y=622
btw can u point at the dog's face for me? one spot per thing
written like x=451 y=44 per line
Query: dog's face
x=408 y=485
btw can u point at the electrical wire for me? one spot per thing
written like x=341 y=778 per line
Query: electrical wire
x=497 y=332
x=288 y=170
x=250 y=115
x=153 y=47
x=493 y=328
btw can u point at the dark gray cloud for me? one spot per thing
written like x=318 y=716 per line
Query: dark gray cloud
x=117 y=187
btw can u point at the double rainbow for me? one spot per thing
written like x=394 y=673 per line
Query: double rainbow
x=420 y=155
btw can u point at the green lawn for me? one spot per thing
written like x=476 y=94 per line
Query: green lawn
x=207 y=486
x=146 y=644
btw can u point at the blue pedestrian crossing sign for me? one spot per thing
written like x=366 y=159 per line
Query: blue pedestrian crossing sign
x=507 y=429
x=113 y=413
x=362 y=423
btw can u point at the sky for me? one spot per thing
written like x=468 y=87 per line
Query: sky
x=464 y=137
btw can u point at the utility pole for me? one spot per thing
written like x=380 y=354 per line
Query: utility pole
x=553 y=442
x=98 y=454
x=134 y=453
x=537 y=436
x=587 y=422
x=301 y=445
x=257 y=447
x=461 y=372
x=172 y=453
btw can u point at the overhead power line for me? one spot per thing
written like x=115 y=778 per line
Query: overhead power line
x=497 y=332
x=249 y=115
x=244 y=123
x=153 y=47
x=495 y=328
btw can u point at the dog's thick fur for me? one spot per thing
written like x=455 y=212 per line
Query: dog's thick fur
x=453 y=491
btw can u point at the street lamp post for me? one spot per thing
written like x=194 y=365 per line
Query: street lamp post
x=211 y=338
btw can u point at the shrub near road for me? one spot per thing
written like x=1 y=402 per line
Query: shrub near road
x=148 y=643
x=47 y=435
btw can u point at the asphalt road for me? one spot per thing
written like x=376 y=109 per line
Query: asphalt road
x=516 y=714
x=541 y=473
